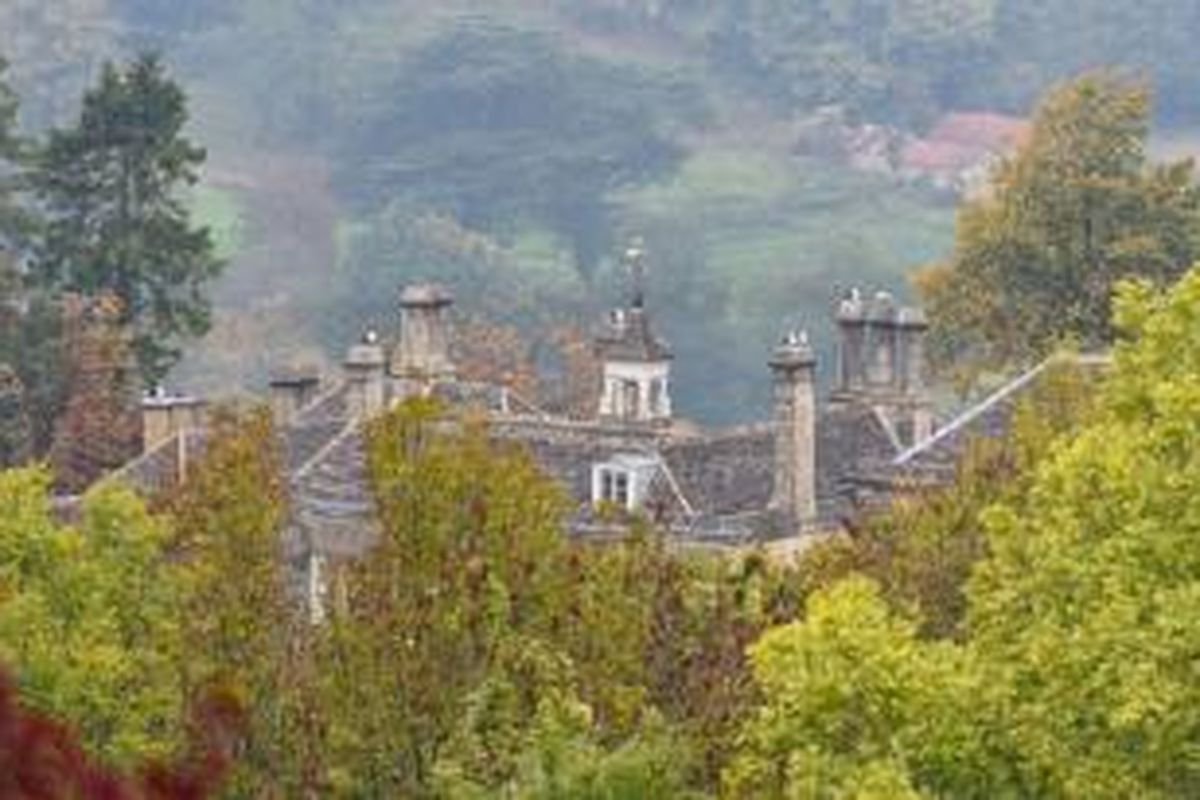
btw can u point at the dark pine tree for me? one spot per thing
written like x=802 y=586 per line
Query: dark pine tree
x=112 y=190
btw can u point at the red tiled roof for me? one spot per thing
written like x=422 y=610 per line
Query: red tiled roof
x=962 y=140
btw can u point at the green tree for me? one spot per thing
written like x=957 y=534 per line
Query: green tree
x=1075 y=674
x=1078 y=208
x=479 y=652
x=14 y=219
x=90 y=617
x=1087 y=611
x=467 y=567
x=111 y=187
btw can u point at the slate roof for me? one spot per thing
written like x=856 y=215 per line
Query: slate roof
x=851 y=440
x=567 y=450
x=723 y=482
x=719 y=484
x=327 y=480
x=724 y=474
x=158 y=469
x=733 y=473
x=313 y=428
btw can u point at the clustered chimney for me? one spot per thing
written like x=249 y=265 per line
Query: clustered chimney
x=881 y=362
x=795 y=422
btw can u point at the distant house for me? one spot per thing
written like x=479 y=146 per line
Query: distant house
x=957 y=153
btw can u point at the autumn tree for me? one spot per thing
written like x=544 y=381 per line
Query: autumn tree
x=496 y=353
x=111 y=187
x=41 y=757
x=465 y=569
x=1076 y=209
x=244 y=628
x=99 y=428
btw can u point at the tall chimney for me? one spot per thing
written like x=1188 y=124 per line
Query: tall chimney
x=291 y=391
x=164 y=416
x=882 y=371
x=423 y=352
x=793 y=369
x=366 y=368
x=911 y=326
x=851 y=319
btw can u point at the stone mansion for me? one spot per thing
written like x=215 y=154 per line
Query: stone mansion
x=806 y=469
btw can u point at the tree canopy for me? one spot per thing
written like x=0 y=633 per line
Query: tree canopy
x=1076 y=209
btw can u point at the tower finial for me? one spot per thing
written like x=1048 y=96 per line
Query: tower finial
x=635 y=262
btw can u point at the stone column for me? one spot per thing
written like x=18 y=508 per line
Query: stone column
x=366 y=376
x=795 y=420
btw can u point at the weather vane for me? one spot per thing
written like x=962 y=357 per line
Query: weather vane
x=635 y=262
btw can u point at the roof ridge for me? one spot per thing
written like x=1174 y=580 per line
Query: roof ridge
x=347 y=430
x=122 y=471
x=974 y=412
x=317 y=402
x=688 y=508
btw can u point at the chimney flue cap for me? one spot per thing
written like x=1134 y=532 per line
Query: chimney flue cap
x=851 y=308
x=425 y=295
x=793 y=352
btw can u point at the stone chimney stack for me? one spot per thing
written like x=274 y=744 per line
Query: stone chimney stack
x=881 y=363
x=851 y=317
x=911 y=327
x=164 y=416
x=882 y=367
x=366 y=376
x=423 y=352
x=795 y=420
x=291 y=391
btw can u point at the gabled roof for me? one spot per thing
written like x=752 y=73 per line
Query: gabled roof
x=734 y=473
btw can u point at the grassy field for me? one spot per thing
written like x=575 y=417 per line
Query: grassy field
x=222 y=213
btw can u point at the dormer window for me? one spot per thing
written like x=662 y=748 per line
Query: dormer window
x=614 y=487
x=623 y=480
